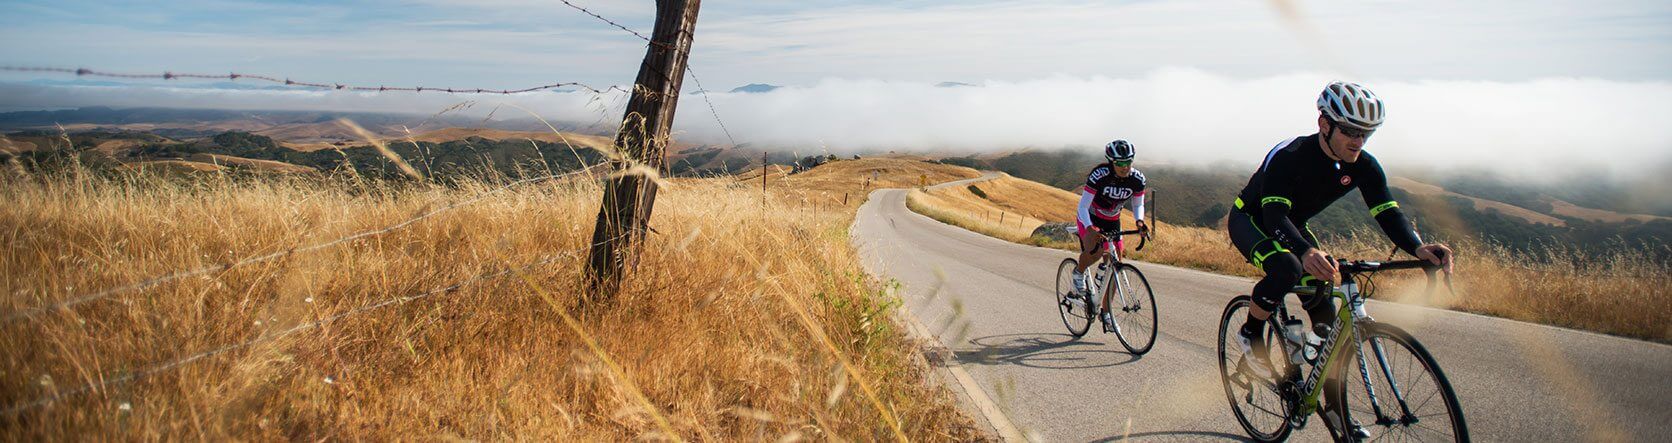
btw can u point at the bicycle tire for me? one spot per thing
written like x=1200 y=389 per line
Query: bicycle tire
x=1234 y=311
x=1140 y=337
x=1415 y=371
x=1077 y=322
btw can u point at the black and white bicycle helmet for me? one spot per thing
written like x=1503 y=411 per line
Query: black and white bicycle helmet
x=1352 y=105
x=1119 y=150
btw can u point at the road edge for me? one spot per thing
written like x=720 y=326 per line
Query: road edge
x=969 y=391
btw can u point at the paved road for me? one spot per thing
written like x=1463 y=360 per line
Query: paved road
x=990 y=303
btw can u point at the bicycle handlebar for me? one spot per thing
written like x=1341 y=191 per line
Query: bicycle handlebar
x=1350 y=267
x=1142 y=239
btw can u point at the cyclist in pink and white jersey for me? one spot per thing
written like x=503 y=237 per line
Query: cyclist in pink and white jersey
x=1107 y=187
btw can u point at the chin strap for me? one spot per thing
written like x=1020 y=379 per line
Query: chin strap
x=1329 y=150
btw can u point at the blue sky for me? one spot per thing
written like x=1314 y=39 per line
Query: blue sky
x=1200 y=79
x=508 y=43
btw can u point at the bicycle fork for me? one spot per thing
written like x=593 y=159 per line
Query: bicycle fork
x=1382 y=419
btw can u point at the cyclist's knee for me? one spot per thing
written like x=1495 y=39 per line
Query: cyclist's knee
x=1282 y=272
x=1283 y=268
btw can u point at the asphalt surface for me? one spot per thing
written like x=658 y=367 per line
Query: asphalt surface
x=991 y=304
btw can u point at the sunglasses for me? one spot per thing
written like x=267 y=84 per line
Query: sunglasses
x=1354 y=132
x=1123 y=163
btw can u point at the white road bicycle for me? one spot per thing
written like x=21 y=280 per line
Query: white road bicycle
x=1125 y=293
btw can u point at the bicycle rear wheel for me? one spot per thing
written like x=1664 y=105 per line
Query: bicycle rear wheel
x=1394 y=389
x=1076 y=309
x=1258 y=402
x=1134 y=311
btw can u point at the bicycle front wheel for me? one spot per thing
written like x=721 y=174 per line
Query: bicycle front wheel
x=1076 y=309
x=1395 y=390
x=1258 y=402
x=1134 y=311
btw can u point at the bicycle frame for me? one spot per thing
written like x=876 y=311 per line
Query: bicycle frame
x=1112 y=257
x=1345 y=324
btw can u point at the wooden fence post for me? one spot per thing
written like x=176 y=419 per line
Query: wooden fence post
x=629 y=195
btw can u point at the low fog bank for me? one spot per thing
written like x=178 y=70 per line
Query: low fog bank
x=1180 y=115
x=1523 y=129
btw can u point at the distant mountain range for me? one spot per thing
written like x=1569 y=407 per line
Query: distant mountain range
x=755 y=88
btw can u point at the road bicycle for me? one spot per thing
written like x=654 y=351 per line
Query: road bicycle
x=1126 y=294
x=1394 y=390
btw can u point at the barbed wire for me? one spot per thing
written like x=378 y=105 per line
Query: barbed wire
x=170 y=75
x=154 y=281
x=611 y=22
x=158 y=368
x=693 y=72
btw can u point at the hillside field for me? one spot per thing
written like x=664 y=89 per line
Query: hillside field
x=746 y=319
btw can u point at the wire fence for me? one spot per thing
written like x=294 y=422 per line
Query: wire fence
x=158 y=280
x=170 y=75
x=151 y=370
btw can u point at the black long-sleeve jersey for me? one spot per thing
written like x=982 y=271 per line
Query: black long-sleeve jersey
x=1297 y=181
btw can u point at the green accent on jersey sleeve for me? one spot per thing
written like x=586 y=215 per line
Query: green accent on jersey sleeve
x=1383 y=207
x=1270 y=200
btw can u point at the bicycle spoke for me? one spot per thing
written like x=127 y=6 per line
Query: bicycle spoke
x=1425 y=401
x=1414 y=385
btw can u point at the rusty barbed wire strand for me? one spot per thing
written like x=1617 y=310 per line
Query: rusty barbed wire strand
x=157 y=368
x=234 y=76
x=693 y=72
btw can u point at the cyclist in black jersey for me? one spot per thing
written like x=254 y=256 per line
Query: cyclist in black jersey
x=1298 y=179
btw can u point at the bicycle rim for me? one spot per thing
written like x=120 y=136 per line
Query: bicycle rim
x=1076 y=318
x=1407 y=396
x=1259 y=407
x=1135 y=311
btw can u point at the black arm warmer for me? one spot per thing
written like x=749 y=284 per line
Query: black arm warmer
x=1275 y=217
x=1398 y=228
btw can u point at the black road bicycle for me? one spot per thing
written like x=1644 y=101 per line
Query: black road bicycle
x=1126 y=294
x=1380 y=382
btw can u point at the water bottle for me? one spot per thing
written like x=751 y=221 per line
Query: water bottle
x=1295 y=333
x=1315 y=342
x=1102 y=274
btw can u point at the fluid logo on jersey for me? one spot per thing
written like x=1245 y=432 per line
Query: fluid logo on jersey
x=1117 y=193
x=1098 y=174
x=1346 y=180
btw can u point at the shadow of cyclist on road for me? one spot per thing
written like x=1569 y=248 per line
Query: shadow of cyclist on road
x=1046 y=351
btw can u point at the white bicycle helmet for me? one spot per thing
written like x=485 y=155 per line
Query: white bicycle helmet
x=1352 y=105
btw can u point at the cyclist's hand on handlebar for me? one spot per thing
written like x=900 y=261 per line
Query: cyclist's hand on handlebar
x=1143 y=227
x=1318 y=263
x=1437 y=254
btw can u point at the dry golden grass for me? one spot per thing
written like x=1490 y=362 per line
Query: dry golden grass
x=735 y=326
x=172 y=166
x=1007 y=206
x=1622 y=294
x=970 y=215
x=825 y=188
x=249 y=164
